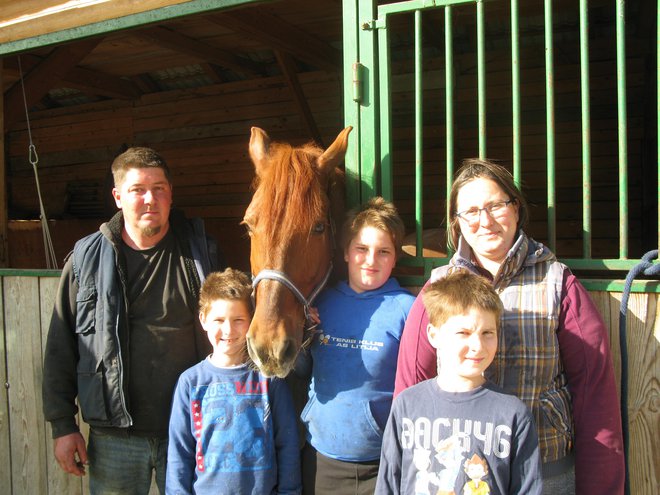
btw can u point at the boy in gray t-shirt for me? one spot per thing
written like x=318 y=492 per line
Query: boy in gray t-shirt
x=459 y=433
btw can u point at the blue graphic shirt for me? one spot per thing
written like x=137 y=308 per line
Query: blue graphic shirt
x=232 y=431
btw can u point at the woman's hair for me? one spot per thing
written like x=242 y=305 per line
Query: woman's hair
x=476 y=168
x=377 y=213
x=229 y=285
x=457 y=293
x=137 y=157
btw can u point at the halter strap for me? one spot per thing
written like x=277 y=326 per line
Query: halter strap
x=284 y=280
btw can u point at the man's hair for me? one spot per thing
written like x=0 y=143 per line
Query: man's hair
x=456 y=294
x=376 y=213
x=229 y=285
x=475 y=168
x=137 y=157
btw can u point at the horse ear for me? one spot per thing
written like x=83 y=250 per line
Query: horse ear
x=259 y=143
x=334 y=155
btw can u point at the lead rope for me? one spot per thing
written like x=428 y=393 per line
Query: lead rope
x=646 y=267
x=51 y=260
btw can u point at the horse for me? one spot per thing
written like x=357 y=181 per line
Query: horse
x=298 y=194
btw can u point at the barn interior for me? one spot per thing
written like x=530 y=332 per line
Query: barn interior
x=191 y=87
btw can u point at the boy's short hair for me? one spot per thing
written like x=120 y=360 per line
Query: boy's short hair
x=138 y=157
x=457 y=293
x=378 y=213
x=229 y=285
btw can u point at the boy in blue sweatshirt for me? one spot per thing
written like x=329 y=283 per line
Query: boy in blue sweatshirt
x=232 y=430
x=353 y=358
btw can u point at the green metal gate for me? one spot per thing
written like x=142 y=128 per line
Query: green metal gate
x=482 y=31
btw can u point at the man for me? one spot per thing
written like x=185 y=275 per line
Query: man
x=124 y=327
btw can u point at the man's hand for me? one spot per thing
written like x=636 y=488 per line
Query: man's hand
x=71 y=453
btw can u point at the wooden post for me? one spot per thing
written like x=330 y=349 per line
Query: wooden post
x=4 y=253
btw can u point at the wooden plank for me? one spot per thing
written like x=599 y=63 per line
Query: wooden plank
x=200 y=51
x=278 y=34
x=643 y=336
x=24 y=365
x=85 y=80
x=58 y=480
x=288 y=67
x=4 y=254
x=5 y=451
x=46 y=17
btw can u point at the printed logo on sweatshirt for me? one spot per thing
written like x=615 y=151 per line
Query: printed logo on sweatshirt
x=350 y=343
x=231 y=426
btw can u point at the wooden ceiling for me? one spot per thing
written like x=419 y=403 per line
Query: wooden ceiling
x=286 y=37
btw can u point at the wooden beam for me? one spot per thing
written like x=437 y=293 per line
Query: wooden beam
x=45 y=76
x=280 y=35
x=145 y=83
x=201 y=51
x=4 y=223
x=85 y=80
x=289 y=71
x=213 y=71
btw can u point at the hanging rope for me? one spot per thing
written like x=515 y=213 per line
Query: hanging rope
x=51 y=260
x=646 y=267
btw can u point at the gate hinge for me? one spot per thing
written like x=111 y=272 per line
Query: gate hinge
x=357 y=82
x=373 y=25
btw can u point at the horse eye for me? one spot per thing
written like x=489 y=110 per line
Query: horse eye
x=247 y=227
x=318 y=228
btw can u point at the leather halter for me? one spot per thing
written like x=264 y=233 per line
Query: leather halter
x=284 y=280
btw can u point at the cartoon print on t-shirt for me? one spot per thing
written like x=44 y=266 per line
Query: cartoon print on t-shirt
x=422 y=461
x=476 y=468
x=450 y=455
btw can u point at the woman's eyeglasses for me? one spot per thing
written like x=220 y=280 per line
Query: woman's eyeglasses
x=496 y=210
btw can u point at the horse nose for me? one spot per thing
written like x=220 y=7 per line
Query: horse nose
x=285 y=351
x=276 y=359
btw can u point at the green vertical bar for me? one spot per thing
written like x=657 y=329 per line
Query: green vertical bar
x=449 y=107
x=481 y=78
x=419 y=170
x=350 y=9
x=550 y=126
x=586 y=129
x=369 y=116
x=515 y=91
x=623 y=133
x=386 y=172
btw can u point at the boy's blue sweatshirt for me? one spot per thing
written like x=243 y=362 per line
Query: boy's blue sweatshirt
x=232 y=431
x=354 y=364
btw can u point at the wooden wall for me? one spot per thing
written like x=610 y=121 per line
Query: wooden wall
x=27 y=465
x=202 y=133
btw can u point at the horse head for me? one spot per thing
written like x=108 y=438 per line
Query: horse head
x=298 y=193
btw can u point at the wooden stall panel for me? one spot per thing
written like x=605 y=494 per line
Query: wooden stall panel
x=58 y=480
x=643 y=342
x=24 y=376
x=5 y=453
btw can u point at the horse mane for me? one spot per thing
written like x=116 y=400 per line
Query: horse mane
x=290 y=196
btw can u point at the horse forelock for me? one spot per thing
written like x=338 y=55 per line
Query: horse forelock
x=291 y=196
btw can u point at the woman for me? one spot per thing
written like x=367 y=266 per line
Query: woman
x=553 y=352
